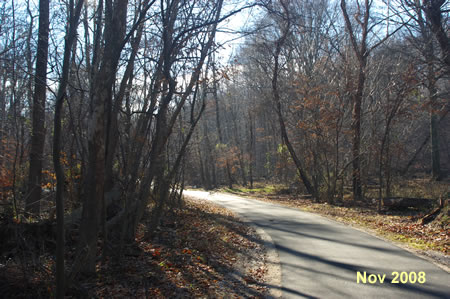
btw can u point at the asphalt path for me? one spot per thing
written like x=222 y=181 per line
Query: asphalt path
x=320 y=258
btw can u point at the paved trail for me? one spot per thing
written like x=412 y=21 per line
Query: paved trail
x=320 y=258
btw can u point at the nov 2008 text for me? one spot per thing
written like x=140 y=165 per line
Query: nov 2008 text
x=395 y=277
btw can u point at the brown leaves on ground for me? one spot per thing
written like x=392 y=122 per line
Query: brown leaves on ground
x=193 y=254
x=199 y=251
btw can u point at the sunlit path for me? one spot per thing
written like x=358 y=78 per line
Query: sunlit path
x=322 y=258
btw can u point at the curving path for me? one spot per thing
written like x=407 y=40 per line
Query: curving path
x=320 y=258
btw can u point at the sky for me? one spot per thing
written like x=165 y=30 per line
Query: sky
x=231 y=38
x=229 y=34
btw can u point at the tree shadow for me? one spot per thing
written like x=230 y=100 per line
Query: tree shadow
x=330 y=234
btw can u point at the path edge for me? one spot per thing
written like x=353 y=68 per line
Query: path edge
x=273 y=276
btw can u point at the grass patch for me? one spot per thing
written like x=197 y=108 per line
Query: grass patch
x=257 y=189
x=416 y=188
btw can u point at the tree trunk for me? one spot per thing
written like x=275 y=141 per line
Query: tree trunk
x=432 y=96
x=38 y=126
x=59 y=171
x=240 y=151
x=356 y=147
x=204 y=174
x=423 y=144
x=276 y=97
x=209 y=159
x=361 y=52
x=251 y=148
x=434 y=128
x=433 y=14
x=163 y=127
x=431 y=24
x=112 y=132
x=219 y=128
x=115 y=24
x=209 y=185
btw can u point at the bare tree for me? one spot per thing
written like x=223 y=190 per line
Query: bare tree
x=219 y=128
x=434 y=10
x=101 y=96
x=39 y=99
x=279 y=43
x=362 y=50
x=73 y=17
x=424 y=25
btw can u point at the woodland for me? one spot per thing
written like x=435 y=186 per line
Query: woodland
x=109 y=109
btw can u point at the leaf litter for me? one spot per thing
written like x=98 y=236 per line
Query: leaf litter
x=200 y=250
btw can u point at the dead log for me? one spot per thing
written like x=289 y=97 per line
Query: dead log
x=430 y=217
x=406 y=202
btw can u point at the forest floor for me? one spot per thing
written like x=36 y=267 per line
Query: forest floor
x=199 y=251
x=400 y=226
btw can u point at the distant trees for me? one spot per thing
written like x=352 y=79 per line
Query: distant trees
x=279 y=44
x=362 y=50
x=425 y=25
x=340 y=79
